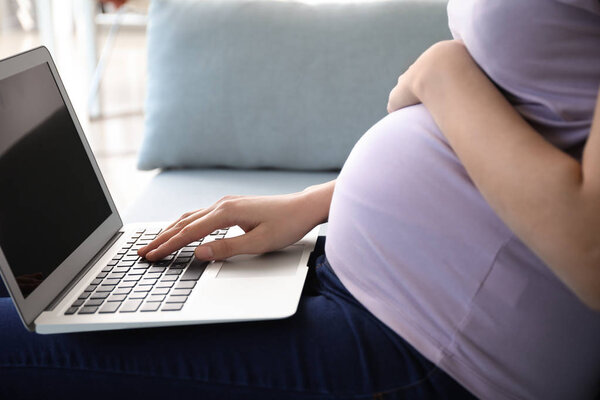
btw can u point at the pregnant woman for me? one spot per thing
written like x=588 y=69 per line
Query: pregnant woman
x=463 y=249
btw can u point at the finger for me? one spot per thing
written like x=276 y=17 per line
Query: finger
x=176 y=226
x=252 y=242
x=184 y=216
x=170 y=232
x=402 y=95
x=195 y=230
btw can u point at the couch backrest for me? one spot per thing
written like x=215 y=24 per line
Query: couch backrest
x=281 y=84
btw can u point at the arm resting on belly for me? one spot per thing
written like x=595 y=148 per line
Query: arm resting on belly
x=550 y=200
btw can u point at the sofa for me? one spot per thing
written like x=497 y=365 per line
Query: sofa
x=260 y=97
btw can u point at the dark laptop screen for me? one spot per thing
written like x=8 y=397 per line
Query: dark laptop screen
x=50 y=197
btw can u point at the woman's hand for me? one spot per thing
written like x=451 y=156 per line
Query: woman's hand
x=270 y=223
x=427 y=66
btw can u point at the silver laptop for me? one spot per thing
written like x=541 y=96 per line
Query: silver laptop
x=66 y=258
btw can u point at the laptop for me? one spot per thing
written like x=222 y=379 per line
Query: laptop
x=66 y=258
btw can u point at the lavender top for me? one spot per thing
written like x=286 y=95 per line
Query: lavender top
x=412 y=238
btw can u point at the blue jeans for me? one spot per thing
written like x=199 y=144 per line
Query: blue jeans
x=332 y=348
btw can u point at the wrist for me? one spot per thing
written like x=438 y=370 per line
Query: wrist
x=447 y=63
x=316 y=200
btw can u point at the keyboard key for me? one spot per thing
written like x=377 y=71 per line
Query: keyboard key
x=136 y=272
x=172 y=307
x=138 y=295
x=88 y=310
x=84 y=295
x=142 y=288
x=127 y=284
x=152 y=231
x=152 y=275
x=107 y=269
x=161 y=263
x=173 y=271
x=122 y=291
x=186 y=285
x=186 y=254
x=77 y=303
x=133 y=258
x=101 y=275
x=90 y=288
x=111 y=281
x=181 y=292
x=169 y=278
x=150 y=306
x=141 y=265
x=121 y=270
x=117 y=297
x=130 y=278
x=126 y=263
x=94 y=302
x=178 y=265
x=112 y=263
x=195 y=270
x=96 y=281
x=160 y=291
x=110 y=307
x=72 y=310
x=157 y=297
x=147 y=282
x=177 y=299
x=105 y=288
x=157 y=269
x=167 y=284
x=100 y=295
x=130 y=305
x=115 y=275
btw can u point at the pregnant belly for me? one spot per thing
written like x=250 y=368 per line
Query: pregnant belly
x=406 y=221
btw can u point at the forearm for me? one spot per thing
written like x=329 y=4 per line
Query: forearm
x=536 y=189
x=318 y=200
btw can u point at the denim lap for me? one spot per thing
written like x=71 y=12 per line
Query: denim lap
x=331 y=348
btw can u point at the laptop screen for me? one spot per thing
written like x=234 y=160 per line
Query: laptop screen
x=50 y=197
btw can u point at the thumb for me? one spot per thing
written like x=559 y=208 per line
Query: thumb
x=225 y=248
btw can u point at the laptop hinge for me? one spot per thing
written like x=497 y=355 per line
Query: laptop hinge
x=84 y=271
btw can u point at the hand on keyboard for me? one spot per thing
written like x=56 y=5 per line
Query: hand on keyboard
x=270 y=223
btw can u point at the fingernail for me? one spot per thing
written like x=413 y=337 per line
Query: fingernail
x=204 y=253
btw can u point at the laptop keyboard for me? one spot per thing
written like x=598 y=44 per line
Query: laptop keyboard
x=130 y=284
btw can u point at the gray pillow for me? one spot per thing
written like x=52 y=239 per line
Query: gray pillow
x=280 y=84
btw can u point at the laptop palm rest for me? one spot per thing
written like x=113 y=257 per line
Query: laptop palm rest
x=275 y=264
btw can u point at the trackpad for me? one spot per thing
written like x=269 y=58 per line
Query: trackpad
x=277 y=263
